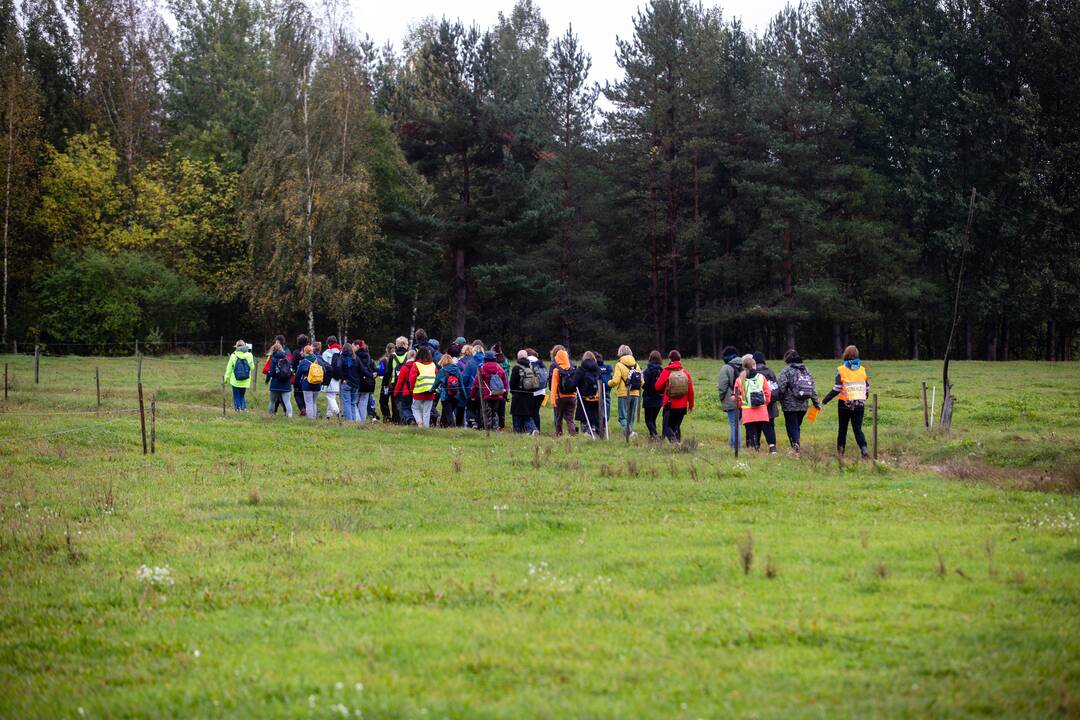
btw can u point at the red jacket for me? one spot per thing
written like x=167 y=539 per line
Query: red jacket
x=414 y=373
x=687 y=401
x=403 y=386
x=483 y=380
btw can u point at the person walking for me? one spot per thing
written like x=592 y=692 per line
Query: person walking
x=552 y=388
x=795 y=386
x=563 y=392
x=753 y=396
x=500 y=406
x=403 y=389
x=386 y=384
x=678 y=388
x=362 y=373
x=346 y=361
x=725 y=384
x=279 y=378
x=310 y=376
x=238 y=372
x=332 y=388
x=590 y=391
x=279 y=344
x=627 y=380
x=471 y=362
x=771 y=379
x=540 y=394
x=524 y=381
x=852 y=385
x=652 y=400
x=302 y=341
x=490 y=388
x=449 y=388
x=422 y=386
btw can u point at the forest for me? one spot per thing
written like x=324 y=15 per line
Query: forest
x=240 y=168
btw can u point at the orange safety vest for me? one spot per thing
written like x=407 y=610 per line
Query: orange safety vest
x=852 y=383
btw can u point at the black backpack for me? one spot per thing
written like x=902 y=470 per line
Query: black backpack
x=567 y=381
x=587 y=386
x=337 y=368
x=634 y=379
x=367 y=378
x=282 y=370
x=327 y=371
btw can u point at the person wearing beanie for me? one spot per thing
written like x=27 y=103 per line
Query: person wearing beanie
x=725 y=384
x=795 y=387
x=678 y=390
x=238 y=374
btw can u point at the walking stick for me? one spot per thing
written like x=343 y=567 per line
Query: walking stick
x=585 y=414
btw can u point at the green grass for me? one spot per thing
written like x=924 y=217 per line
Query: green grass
x=578 y=579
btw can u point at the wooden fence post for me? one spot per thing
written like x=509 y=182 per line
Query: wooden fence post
x=142 y=409
x=875 y=426
x=223 y=398
x=153 y=423
x=5 y=381
x=925 y=409
x=738 y=423
x=97 y=385
x=37 y=361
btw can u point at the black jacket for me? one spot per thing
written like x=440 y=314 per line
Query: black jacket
x=587 y=376
x=770 y=376
x=649 y=397
x=522 y=401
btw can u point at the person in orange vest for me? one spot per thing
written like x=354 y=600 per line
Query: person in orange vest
x=852 y=387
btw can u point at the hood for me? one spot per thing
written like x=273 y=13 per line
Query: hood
x=759 y=357
x=629 y=361
x=524 y=362
x=489 y=356
x=533 y=359
x=279 y=354
x=729 y=359
x=852 y=364
x=797 y=364
x=334 y=346
x=562 y=359
x=674 y=365
x=312 y=357
x=655 y=365
x=751 y=373
x=590 y=364
x=363 y=355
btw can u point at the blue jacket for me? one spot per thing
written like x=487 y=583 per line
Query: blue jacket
x=301 y=375
x=275 y=384
x=440 y=382
x=468 y=374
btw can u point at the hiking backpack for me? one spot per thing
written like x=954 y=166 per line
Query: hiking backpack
x=634 y=379
x=367 y=378
x=241 y=369
x=337 y=366
x=804 y=384
x=755 y=392
x=282 y=370
x=588 y=388
x=315 y=374
x=452 y=384
x=541 y=373
x=327 y=371
x=530 y=379
x=678 y=384
x=567 y=382
x=495 y=385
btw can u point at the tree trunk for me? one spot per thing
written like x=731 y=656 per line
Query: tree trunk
x=913 y=327
x=309 y=201
x=1051 y=330
x=697 y=259
x=564 y=262
x=789 y=285
x=654 y=284
x=1004 y=340
x=991 y=339
x=7 y=203
x=838 y=347
x=968 y=340
x=461 y=289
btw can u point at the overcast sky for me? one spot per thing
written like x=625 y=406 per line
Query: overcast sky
x=596 y=22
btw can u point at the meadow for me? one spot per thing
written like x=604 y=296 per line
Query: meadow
x=260 y=567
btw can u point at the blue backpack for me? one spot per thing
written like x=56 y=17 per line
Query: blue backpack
x=241 y=369
x=495 y=385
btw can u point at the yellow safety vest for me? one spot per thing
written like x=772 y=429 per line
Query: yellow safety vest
x=852 y=383
x=425 y=378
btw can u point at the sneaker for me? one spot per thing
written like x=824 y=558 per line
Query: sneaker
x=633 y=434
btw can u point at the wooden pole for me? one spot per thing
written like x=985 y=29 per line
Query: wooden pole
x=738 y=424
x=97 y=385
x=142 y=408
x=153 y=424
x=933 y=406
x=925 y=409
x=221 y=346
x=223 y=398
x=875 y=426
x=37 y=360
x=5 y=381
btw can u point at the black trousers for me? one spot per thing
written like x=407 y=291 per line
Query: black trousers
x=855 y=417
x=754 y=431
x=673 y=418
x=650 y=420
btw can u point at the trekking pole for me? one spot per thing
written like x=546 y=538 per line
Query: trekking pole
x=483 y=410
x=585 y=414
x=738 y=423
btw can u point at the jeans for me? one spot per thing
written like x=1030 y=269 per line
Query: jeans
x=650 y=420
x=298 y=398
x=855 y=417
x=792 y=423
x=628 y=412
x=564 y=413
x=239 y=402
x=363 y=406
x=389 y=414
x=523 y=423
x=754 y=431
x=348 y=401
x=311 y=404
x=283 y=398
x=733 y=428
x=404 y=406
x=673 y=418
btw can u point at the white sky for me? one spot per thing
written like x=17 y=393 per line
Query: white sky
x=596 y=22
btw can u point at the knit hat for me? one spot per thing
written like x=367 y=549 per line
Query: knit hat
x=489 y=356
x=759 y=357
x=460 y=340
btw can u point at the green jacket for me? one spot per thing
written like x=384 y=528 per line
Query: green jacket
x=230 y=378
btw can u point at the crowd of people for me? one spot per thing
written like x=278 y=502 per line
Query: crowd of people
x=471 y=385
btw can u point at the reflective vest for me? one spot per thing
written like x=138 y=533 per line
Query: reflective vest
x=396 y=362
x=752 y=385
x=425 y=378
x=852 y=383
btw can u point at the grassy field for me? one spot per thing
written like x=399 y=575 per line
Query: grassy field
x=324 y=571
